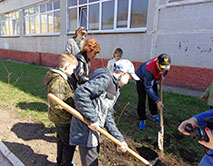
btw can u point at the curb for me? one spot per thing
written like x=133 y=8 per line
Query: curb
x=9 y=155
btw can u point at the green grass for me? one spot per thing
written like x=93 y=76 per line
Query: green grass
x=24 y=90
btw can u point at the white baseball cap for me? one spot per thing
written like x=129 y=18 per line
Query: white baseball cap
x=126 y=66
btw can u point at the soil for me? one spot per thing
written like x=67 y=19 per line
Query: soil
x=35 y=145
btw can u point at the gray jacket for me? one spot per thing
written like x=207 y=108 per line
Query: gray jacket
x=95 y=100
x=73 y=47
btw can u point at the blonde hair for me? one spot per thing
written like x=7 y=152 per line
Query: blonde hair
x=91 y=45
x=67 y=58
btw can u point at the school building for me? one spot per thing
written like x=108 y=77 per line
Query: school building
x=36 y=31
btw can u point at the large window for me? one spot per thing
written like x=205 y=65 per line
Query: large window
x=9 y=24
x=42 y=19
x=107 y=15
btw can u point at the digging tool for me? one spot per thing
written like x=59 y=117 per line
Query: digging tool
x=161 y=132
x=100 y=130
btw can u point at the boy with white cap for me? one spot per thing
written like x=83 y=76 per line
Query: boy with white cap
x=95 y=100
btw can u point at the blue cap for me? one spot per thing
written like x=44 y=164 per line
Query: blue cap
x=125 y=65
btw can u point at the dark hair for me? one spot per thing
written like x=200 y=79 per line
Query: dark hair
x=118 y=51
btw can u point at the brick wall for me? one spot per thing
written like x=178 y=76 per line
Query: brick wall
x=182 y=76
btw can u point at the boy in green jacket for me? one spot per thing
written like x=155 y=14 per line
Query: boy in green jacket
x=57 y=81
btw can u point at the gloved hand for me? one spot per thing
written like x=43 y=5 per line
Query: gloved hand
x=122 y=148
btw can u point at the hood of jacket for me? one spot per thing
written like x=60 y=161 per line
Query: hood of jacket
x=52 y=74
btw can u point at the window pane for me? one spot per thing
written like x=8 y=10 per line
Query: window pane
x=72 y=19
x=26 y=12
x=122 y=13
x=36 y=10
x=139 y=13
x=107 y=15
x=26 y=23
x=83 y=16
x=31 y=11
x=93 y=0
x=32 y=28
x=11 y=27
x=37 y=24
x=49 y=6
x=72 y=3
x=94 y=17
x=50 y=22
x=82 y=2
x=56 y=21
x=56 y=4
x=7 y=27
x=43 y=23
x=42 y=8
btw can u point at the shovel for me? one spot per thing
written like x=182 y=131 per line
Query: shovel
x=161 y=132
x=100 y=130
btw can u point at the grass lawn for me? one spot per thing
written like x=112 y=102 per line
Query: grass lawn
x=21 y=86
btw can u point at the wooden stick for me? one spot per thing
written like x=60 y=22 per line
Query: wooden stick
x=100 y=130
x=161 y=132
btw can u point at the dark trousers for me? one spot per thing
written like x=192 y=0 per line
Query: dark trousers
x=65 y=151
x=89 y=155
x=141 y=109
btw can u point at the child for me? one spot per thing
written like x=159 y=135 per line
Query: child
x=94 y=100
x=208 y=94
x=149 y=72
x=56 y=79
x=74 y=45
x=90 y=49
x=116 y=56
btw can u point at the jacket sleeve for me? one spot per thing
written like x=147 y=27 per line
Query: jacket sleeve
x=69 y=47
x=86 y=93
x=148 y=83
x=111 y=127
x=202 y=116
x=80 y=73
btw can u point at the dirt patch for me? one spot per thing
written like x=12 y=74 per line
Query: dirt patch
x=35 y=145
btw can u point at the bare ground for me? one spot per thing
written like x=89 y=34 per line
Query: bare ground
x=35 y=145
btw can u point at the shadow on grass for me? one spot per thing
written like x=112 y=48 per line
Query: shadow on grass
x=26 y=154
x=35 y=106
x=31 y=131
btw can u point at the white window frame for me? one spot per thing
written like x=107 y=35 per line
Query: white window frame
x=39 y=14
x=185 y=2
x=9 y=22
x=115 y=29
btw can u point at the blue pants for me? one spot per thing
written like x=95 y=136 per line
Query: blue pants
x=207 y=160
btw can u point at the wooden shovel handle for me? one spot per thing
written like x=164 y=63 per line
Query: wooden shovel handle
x=100 y=130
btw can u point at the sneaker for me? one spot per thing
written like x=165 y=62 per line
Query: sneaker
x=142 y=125
x=155 y=118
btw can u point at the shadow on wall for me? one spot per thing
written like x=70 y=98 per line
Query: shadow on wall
x=32 y=131
x=27 y=155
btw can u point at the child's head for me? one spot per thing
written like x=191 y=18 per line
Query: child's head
x=81 y=33
x=126 y=71
x=164 y=62
x=118 y=53
x=91 y=47
x=68 y=63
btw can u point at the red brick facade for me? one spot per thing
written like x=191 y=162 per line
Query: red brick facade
x=182 y=76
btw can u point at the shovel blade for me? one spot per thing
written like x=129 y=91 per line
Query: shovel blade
x=160 y=141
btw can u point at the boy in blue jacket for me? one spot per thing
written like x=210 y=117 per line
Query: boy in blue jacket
x=95 y=100
x=149 y=72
